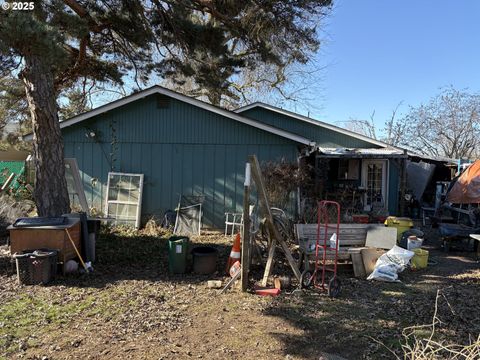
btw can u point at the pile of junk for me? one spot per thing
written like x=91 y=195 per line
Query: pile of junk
x=43 y=246
x=458 y=213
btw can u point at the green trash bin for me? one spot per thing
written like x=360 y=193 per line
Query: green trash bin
x=177 y=254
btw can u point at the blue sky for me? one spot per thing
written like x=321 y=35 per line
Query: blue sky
x=378 y=53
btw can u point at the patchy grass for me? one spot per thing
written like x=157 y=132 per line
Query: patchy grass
x=131 y=307
x=44 y=311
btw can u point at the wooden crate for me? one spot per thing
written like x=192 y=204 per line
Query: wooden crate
x=51 y=237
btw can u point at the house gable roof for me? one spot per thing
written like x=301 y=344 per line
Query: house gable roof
x=314 y=122
x=175 y=95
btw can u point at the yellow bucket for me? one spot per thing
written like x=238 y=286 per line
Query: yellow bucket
x=420 y=259
x=401 y=223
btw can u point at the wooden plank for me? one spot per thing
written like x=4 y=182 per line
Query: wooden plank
x=358 y=267
x=343 y=254
x=285 y=248
x=268 y=267
x=352 y=239
x=257 y=176
x=349 y=234
x=8 y=181
x=357 y=262
x=231 y=281
x=343 y=241
x=262 y=194
x=308 y=229
x=246 y=237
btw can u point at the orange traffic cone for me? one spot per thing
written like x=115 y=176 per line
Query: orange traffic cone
x=234 y=254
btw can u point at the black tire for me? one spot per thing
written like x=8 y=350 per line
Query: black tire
x=334 y=287
x=306 y=279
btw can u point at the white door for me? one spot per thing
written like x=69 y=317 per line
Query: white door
x=374 y=180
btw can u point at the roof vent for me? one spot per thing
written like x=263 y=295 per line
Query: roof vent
x=163 y=102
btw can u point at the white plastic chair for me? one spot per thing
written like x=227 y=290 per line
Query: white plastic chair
x=233 y=220
x=236 y=219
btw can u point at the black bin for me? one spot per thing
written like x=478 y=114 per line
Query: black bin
x=36 y=266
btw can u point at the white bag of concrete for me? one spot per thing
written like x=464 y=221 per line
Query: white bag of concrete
x=390 y=264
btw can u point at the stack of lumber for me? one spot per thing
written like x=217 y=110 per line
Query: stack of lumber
x=361 y=244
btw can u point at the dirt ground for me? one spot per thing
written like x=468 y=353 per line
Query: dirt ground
x=130 y=307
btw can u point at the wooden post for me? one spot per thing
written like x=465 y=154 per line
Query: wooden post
x=7 y=182
x=246 y=230
x=262 y=195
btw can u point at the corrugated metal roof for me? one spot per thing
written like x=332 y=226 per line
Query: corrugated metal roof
x=392 y=153
x=361 y=152
x=432 y=158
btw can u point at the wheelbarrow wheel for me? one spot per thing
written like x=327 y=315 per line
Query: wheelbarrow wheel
x=306 y=279
x=334 y=287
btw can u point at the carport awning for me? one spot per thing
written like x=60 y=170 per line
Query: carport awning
x=360 y=153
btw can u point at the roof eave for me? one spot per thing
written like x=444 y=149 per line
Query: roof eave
x=315 y=122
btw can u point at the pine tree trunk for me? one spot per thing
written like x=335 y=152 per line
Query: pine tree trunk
x=51 y=195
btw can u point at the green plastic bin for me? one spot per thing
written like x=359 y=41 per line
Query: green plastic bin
x=177 y=254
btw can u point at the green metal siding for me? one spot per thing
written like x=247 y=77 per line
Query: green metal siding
x=181 y=149
x=322 y=136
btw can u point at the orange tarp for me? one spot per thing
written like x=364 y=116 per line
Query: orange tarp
x=466 y=189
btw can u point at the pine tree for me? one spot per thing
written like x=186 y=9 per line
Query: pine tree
x=59 y=42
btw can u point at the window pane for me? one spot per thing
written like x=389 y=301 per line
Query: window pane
x=124 y=196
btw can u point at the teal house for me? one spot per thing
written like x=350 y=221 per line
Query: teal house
x=184 y=146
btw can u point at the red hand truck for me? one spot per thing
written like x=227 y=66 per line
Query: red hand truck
x=328 y=241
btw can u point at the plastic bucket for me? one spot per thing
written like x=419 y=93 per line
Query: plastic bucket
x=420 y=259
x=204 y=260
x=177 y=254
x=404 y=241
x=414 y=243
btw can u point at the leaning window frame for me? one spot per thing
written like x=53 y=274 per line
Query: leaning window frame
x=140 y=196
x=77 y=184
